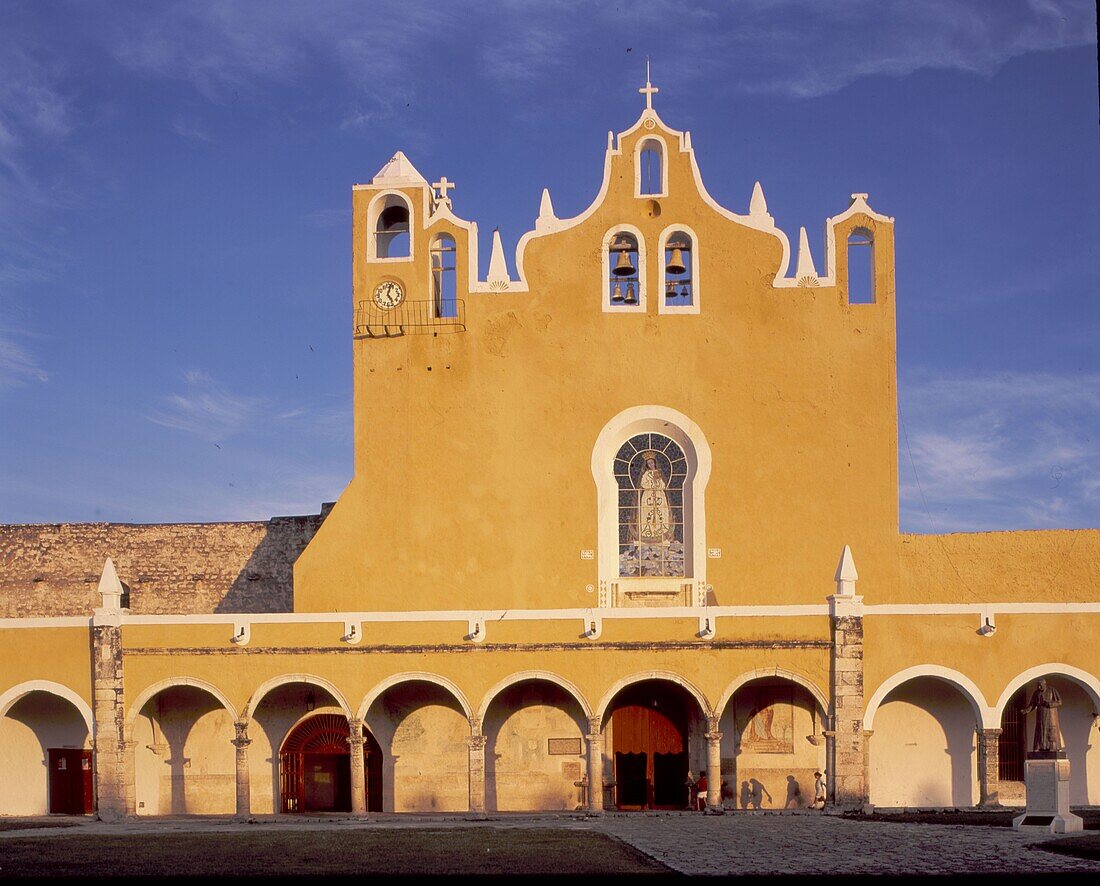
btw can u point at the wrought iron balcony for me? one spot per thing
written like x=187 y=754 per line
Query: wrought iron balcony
x=409 y=318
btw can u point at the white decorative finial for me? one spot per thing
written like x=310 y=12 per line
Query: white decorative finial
x=498 y=269
x=546 y=210
x=805 y=266
x=649 y=89
x=758 y=206
x=443 y=186
x=846 y=575
x=110 y=588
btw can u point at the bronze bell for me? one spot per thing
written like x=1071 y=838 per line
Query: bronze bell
x=685 y=292
x=630 y=298
x=617 y=293
x=624 y=268
x=676 y=263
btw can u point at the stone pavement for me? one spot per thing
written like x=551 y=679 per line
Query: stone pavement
x=759 y=843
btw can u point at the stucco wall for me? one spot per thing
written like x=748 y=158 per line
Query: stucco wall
x=35 y=723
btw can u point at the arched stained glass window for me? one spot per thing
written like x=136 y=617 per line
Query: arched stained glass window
x=650 y=470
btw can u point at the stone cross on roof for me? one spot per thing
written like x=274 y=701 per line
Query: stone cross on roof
x=649 y=89
x=443 y=186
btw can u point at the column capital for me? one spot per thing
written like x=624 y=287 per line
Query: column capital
x=713 y=737
x=990 y=733
x=594 y=725
x=476 y=742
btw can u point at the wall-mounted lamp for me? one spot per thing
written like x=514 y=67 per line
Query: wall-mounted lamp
x=476 y=630
x=241 y=633
x=352 y=632
x=311 y=702
x=706 y=627
x=988 y=625
x=593 y=626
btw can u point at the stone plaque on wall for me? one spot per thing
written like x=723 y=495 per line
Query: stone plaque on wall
x=563 y=747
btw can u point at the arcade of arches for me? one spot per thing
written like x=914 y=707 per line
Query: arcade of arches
x=532 y=749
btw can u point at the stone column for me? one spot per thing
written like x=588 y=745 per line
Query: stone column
x=595 y=767
x=358 y=775
x=867 y=733
x=114 y=772
x=849 y=762
x=244 y=784
x=714 y=767
x=830 y=765
x=989 y=767
x=476 y=744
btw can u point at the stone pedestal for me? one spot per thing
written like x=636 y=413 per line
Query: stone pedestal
x=1047 y=779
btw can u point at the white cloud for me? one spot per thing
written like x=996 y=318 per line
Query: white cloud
x=207 y=409
x=1009 y=451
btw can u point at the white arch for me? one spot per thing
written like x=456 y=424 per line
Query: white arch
x=605 y=286
x=651 y=142
x=689 y=436
x=9 y=698
x=662 y=244
x=151 y=691
x=765 y=673
x=286 y=679
x=984 y=714
x=524 y=676
x=667 y=676
x=375 y=208
x=1086 y=680
x=413 y=677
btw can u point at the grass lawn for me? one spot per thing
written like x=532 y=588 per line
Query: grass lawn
x=18 y=825
x=287 y=852
x=1080 y=845
x=999 y=819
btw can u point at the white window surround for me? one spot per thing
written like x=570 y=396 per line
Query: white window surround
x=687 y=435
x=656 y=143
x=375 y=208
x=605 y=263
x=693 y=308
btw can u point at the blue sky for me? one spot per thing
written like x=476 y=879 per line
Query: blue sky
x=175 y=242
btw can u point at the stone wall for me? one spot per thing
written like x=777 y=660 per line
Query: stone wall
x=49 y=570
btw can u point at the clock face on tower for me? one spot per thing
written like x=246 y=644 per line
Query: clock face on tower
x=388 y=294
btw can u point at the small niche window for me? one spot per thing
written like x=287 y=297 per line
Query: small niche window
x=392 y=229
x=624 y=281
x=444 y=282
x=650 y=470
x=861 y=267
x=651 y=161
x=679 y=283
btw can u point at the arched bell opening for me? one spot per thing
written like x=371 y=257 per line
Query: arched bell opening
x=861 y=267
x=624 y=277
x=654 y=732
x=444 y=276
x=923 y=748
x=315 y=762
x=45 y=760
x=1075 y=721
x=184 y=759
x=773 y=743
x=422 y=732
x=678 y=270
x=535 y=752
x=391 y=231
x=652 y=169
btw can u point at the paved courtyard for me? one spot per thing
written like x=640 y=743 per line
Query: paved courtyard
x=754 y=844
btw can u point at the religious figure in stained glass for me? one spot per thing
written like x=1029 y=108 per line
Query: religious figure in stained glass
x=651 y=470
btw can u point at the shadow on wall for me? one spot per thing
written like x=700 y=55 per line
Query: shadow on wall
x=266 y=582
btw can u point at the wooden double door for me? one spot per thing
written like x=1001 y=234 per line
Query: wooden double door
x=70 y=781
x=315 y=766
x=649 y=739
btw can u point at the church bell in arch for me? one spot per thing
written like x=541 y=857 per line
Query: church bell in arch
x=624 y=268
x=617 y=293
x=676 y=263
x=630 y=298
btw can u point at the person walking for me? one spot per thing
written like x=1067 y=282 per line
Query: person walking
x=819 y=791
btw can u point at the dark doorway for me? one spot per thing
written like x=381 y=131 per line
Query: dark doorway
x=649 y=734
x=315 y=765
x=1012 y=742
x=70 y=781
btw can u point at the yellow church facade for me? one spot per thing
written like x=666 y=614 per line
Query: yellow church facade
x=627 y=517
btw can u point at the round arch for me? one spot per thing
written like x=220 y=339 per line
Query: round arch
x=151 y=691
x=413 y=677
x=285 y=679
x=667 y=676
x=983 y=714
x=11 y=696
x=1086 y=680
x=608 y=238
x=379 y=203
x=765 y=673
x=525 y=676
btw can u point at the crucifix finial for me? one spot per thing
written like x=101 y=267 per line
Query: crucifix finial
x=649 y=89
x=443 y=186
